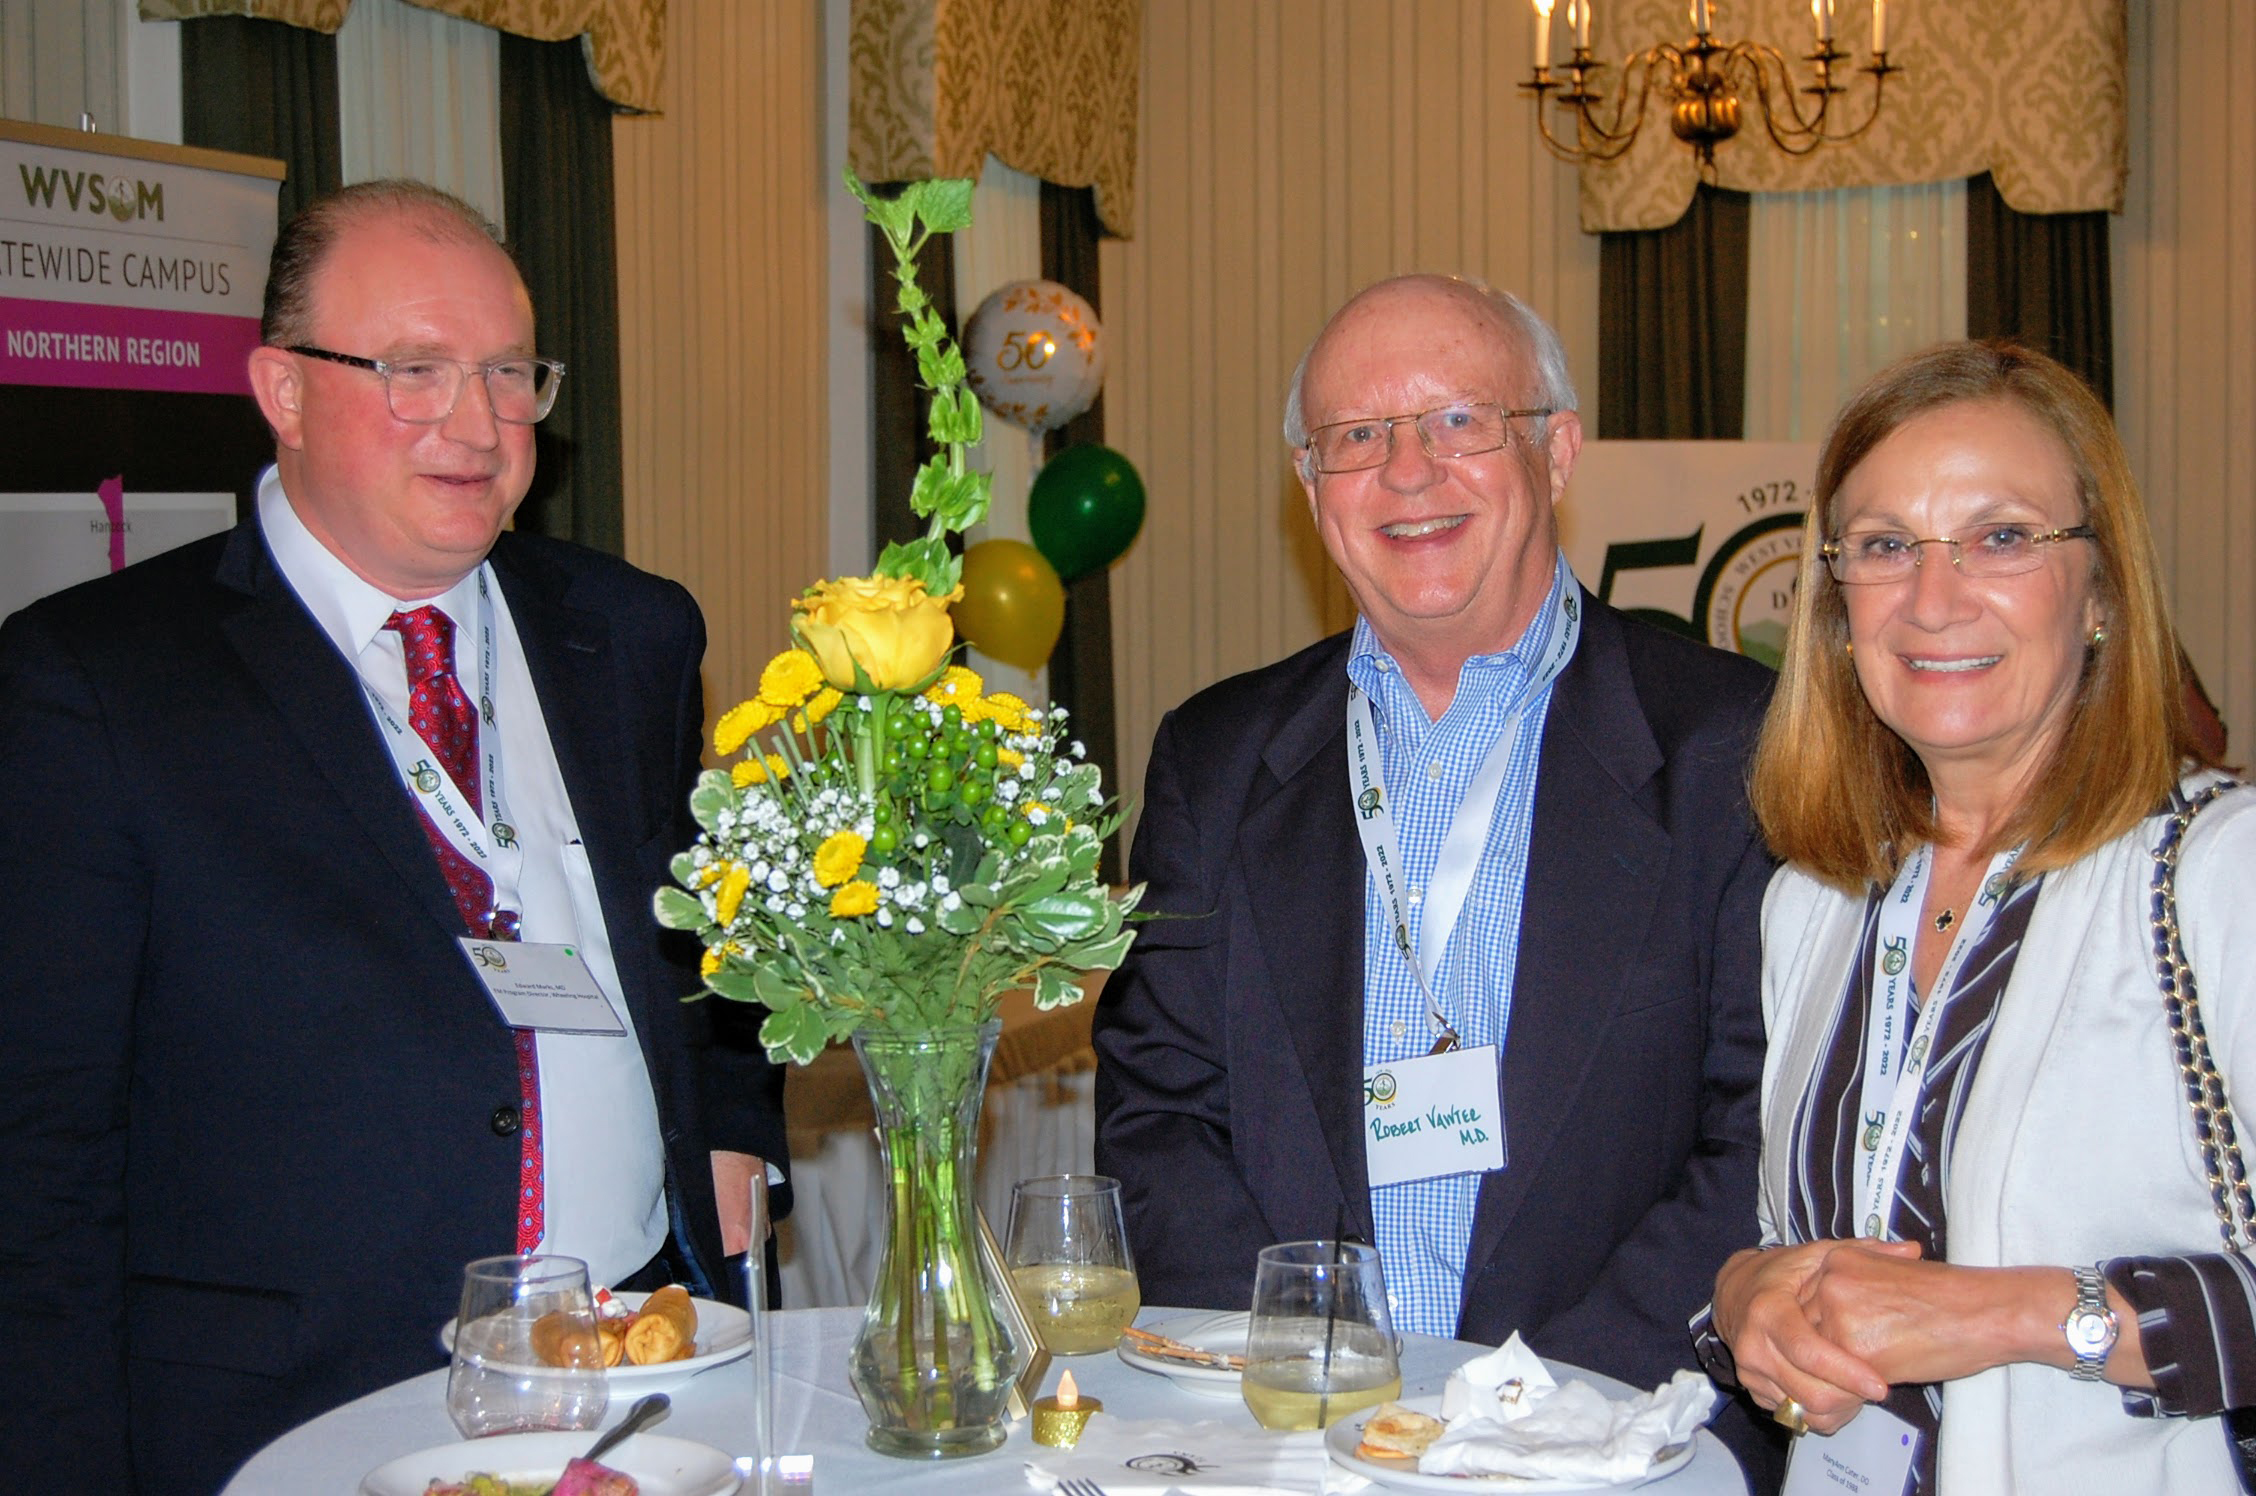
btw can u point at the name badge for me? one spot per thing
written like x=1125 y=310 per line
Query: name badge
x=1870 y=1457
x=1433 y=1115
x=547 y=988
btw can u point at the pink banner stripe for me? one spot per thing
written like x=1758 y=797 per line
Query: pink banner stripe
x=124 y=348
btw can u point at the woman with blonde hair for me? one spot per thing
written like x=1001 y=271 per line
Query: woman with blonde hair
x=1986 y=1195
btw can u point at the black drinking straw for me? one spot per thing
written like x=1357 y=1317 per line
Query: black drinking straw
x=1331 y=1323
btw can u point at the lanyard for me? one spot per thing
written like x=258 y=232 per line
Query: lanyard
x=494 y=852
x=1467 y=837
x=1890 y=1096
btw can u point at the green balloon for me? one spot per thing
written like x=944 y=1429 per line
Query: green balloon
x=1086 y=505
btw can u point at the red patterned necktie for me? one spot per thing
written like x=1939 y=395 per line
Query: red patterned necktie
x=443 y=717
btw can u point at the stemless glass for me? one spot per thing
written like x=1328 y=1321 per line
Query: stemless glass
x=1069 y=1261
x=526 y=1356
x=1321 y=1344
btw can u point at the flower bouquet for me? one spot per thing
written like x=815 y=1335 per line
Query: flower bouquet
x=894 y=850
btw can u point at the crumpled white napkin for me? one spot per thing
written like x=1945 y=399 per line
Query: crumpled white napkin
x=1149 y=1456
x=1507 y=1416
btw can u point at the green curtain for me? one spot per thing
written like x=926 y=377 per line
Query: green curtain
x=265 y=89
x=2042 y=280
x=1081 y=665
x=1672 y=325
x=557 y=187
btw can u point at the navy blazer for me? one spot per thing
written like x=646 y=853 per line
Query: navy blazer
x=255 y=1111
x=1229 y=1045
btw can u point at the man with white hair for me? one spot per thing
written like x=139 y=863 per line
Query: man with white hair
x=1464 y=955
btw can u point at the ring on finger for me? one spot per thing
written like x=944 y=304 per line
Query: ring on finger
x=1791 y=1416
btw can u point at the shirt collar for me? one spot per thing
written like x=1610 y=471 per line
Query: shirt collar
x=349 y=609
x=1370 y=665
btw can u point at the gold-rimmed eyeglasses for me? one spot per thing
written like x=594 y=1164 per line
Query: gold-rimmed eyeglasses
x=425 y=389
x=1462 y=430
x=1863 y=558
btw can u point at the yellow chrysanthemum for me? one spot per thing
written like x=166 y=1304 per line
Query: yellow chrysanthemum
x=1009 y=758
x=856 y=898
x=760 y=770
x=715 y=955
x=839 y=858
x=789 y=679
x=826 y=700
x=960 y=686
x=739 y=722
x=1010 y=713
x=733 y=885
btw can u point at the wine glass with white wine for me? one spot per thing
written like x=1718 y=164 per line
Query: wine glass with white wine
x=1321 y=1344
x=1069 y=1260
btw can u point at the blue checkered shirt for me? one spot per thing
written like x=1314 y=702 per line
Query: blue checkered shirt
x=1425 y=1226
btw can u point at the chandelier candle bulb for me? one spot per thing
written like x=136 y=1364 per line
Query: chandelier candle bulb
x=1059 y=1419
x=1879 y=26
x=1582 y=24
x=1703 y=21
x=1543 y=33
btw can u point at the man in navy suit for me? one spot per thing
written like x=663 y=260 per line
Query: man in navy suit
x=256 y=1106
x=1499 y=820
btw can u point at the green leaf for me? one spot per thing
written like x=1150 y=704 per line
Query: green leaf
x=926 y=560
x=964 y=919
x=943 y=203
x=956 y=420
x=714 y=797
x=895 y=215
x=677 y=910
x=735 y=985
x=796 y=1033
x=1055 y=987
x=685 y=869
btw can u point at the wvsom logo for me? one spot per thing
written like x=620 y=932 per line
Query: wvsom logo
x=121 y=198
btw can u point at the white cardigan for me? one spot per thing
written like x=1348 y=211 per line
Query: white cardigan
x=2076 y=1144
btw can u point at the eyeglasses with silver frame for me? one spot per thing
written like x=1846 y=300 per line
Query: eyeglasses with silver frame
x=425 y=390
x=1863 y=558
x=1466 y=429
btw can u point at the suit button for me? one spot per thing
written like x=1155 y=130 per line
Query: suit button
x=505 y=1122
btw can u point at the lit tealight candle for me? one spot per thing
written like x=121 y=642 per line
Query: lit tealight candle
x=1058 y=1420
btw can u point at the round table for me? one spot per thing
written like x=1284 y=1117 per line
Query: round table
x=817 y=1414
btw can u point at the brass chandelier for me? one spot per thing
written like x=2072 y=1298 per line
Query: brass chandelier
x=1704 y=81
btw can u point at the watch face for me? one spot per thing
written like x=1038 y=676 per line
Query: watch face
x=2091 y=1332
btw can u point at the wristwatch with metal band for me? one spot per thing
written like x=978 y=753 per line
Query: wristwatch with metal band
x=2090 y=1326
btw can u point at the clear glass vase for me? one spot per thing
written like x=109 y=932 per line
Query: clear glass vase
x=935 y=1359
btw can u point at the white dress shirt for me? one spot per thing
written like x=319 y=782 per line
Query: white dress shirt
x=604 y=1165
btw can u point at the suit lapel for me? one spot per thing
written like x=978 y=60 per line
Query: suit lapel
x=318 y=694
x=1299 y=844
x=1595 y=860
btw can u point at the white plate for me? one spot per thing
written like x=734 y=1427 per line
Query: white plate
x=1223 y=1331
x=1342 y=1437
x=724 y=1333
x=660 y=1466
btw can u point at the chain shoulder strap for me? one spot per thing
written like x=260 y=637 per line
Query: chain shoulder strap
x=2205 y=1088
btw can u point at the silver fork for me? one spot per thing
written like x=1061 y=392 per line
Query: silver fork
x=1075 y=1486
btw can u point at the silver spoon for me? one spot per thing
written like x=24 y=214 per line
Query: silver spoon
x=643 y=1414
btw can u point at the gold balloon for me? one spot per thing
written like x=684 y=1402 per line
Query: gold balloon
x=1013 y=605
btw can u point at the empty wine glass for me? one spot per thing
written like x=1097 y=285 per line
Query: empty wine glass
x=526 y=1356
x=1069 y=1261
x=1321 y=1344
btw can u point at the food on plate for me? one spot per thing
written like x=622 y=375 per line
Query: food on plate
x=663 y=1329
x=580 y=1478
x=1395 y=1432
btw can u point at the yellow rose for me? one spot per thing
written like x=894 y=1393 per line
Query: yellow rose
x=739 y=722
x=839 y=858
x=891 y=627
x=855 y=898
x=790 y=678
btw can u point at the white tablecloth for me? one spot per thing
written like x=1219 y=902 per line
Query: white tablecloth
x=817 y=1414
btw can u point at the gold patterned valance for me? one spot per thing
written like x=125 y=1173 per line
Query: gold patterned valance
x=2037 y=95
x=1048 y=86
x=625 y=40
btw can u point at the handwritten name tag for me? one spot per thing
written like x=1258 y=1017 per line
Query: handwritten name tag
x=1433 y=1115
x=543 y=987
